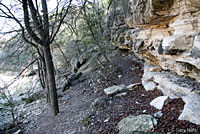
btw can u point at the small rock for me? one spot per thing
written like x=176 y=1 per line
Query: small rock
x=18 y=132
x=142 y=95
x=25 y=121
x=158 y=102
x=37 y=101
x=119 y=76
x=158 y=114
x=141 y=123
x=99 y=80
x=121 y=94
x=132 y=68
x=144 y=111
x=106 y=120
x=99 y=102
x=132 y=86
x=110 y=91
x=137 y=102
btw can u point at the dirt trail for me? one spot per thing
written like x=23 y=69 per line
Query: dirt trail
x=78 y=117
x=75 y=104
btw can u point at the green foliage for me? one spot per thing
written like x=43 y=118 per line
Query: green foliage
x=83 y=31
x=86 y=121
x=6 y=131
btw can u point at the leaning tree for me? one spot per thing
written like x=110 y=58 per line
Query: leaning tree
x=38 y=28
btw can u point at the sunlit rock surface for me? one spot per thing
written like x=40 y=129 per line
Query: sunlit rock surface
x=166 y=35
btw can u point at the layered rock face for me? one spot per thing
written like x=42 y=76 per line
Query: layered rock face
x=166 y=35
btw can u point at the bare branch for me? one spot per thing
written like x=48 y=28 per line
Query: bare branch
x=38 y=13
x=12 y=31
x=56 y=16
x=110 y=3
x=60 y=23
x=11 y=16
x=17 y=77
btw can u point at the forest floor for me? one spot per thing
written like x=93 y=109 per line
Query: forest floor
x=77 y=116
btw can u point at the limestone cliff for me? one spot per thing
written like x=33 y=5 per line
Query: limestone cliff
x=166 y=35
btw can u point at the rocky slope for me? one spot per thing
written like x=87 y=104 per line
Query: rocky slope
x=165 y=34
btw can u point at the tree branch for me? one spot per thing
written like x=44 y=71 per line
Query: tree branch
x=45 y=20
x=11 y=16
x=35 y=19
x=27 y=24
x=19 y=74
x=60 y=23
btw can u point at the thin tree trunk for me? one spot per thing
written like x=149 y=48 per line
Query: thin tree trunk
x=40 y=73
x=67 y=62
x=51 y=80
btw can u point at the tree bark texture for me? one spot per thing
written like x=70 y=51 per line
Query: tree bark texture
x=51 y=80
x=41 y=26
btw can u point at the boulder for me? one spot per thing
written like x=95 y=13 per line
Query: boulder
x=71 y=80
x=149 y=85
x=176 y=86
x=75 y=64
x=158 y=102
x=148 y=77
x=32 y=97
x=191 y=111
x=141 y=123
x=110 y=91
x=90 y=64
x=196 y=47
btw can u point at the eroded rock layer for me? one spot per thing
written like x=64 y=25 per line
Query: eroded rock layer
x=166 y=35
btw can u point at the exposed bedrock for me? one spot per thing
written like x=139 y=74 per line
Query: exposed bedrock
x=166 y=35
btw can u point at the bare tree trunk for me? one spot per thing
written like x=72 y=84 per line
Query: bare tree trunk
x=51 y=80
x=43 y=78
x=36 y=26
x=40 y=73
x=48 y=99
